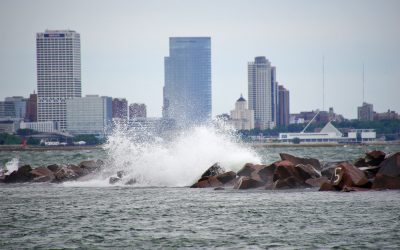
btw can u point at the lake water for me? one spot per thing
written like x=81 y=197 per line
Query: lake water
x=161 y=212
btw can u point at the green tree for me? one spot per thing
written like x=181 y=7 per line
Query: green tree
x=296 y=140
x=7 y=139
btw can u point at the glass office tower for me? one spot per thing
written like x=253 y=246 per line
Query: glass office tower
x=187 y=87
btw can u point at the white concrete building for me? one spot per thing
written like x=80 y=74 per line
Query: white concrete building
x=89 y=115
x=330 y=134
x=44 y=127
x=263 y=92
x=58 y=73
x=241 y=117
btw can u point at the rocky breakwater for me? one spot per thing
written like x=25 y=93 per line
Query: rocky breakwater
x=52 y=173
x=375 y=171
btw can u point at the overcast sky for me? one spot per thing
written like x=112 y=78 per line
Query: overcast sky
x=123 y=44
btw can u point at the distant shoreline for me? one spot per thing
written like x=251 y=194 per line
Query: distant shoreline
x=285 y=145
x=47 y=148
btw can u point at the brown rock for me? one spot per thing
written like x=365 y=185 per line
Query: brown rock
x=307 y=171
x=348 y=175
x=391 y=165
x=247 y=183
x=317 y=182
x=328 y=168
x=298 y=160
x=66 y=173
x=23 y=174
x=290 y=182
x=352 y=189
x=214 y=170
x=327 y=186
x=54 y=167
x=42 y=174
x=248 y=169
x=382 y=181
x=215 y=181
x=226 y=177
x=374 y=158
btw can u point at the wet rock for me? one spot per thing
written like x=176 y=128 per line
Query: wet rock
x=369 y=171
x=352 y=189
x=290 y=182
x=245 y=182
x=131 y=181
x=382 y=181
x=214 y=170
x=307 y=171
x=54 y=167
x=121 y=174
x=317 y=182
x=327 y=186
x=248 y=169
x=226 y=177
x=348 y=175
x=298 y=160
x=374 y=158
x=91 y=166
x=113 y=180
x=67 y=173
x=328 y=168
x=42 y=174
x=390 y=166
x=219 y=188
x=360 y=162
x=23 y=174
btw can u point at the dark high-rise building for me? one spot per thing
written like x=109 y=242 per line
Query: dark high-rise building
x=187 y=88
x=283 y=106
x=137 y=110
x=31 y=108
x=365 y=112
x=120 y=108
x=58 y=62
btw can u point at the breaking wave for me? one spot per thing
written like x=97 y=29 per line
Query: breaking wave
x=175 y=160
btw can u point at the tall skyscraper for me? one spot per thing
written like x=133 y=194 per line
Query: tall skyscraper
x=241 y=117
x=283 y=107
x=120 y=108
x=187 y=87
x=263 y=93
x=58 y=73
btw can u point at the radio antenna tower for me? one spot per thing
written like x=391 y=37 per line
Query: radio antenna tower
x=363 y=89
x=323 y=83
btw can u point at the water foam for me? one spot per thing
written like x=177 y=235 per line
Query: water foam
x=175 y=162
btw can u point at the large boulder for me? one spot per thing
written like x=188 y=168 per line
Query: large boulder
x=374 y=158
x=42 y=174
x=245 y=182
x=23 y=174
x=382 y=181
x=249 y=168
x=225 y=179
x=214 y=170
x=388 y=176
x=298 y=160
x=391 y=165
x=287 y=175
x=317 y=182
x=67 y=173
x=348 y=175
x=328 y=168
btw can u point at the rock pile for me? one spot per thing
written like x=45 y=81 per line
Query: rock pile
x=375 y=170
x=52 y=173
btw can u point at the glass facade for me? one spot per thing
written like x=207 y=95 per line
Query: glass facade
x=187 y=89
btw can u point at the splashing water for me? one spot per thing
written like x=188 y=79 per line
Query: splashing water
x=12 y=165
x=149 y=160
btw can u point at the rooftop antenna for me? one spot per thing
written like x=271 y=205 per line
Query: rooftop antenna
x=323 y=83
x=363 y=81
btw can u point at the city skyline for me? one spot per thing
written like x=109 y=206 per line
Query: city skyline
x=293 y=35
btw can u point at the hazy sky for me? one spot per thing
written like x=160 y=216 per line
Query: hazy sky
x=123 y=44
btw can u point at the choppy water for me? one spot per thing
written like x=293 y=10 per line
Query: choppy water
x=161 y=212
x=52 y=216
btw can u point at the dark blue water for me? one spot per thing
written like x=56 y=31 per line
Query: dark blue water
x=54 y=216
